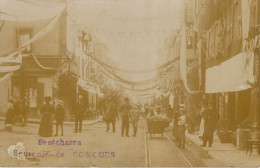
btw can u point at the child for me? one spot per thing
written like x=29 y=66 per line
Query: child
x=182 y=128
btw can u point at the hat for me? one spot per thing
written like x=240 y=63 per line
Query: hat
x=181 y=109
x=10 y=99
x=60 y=102
x=47 y=98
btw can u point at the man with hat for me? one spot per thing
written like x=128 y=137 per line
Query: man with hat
x=125 y=109
x=182 y=128
x=111 y=114
x=79 y=114
x=59 y=116
x=211 y=117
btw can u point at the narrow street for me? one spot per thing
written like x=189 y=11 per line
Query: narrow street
x=97 y=148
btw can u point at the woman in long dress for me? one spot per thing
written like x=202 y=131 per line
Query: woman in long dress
x=202 y=123
x=47 y=111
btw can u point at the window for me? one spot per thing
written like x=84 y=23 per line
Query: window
x=32 y=97
x=209 y=43
x=217 y=32
x=258 y=13
x=82 y=67
x=213 y=40
x=227 y=25
x=24 y=37
x=230 y=23
x=237 y=20
x=94 y=102
x=254 y=15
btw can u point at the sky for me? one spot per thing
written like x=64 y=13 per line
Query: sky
x=134 y=32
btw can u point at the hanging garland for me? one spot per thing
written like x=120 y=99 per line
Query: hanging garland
x=120 y=83
x=131 y=82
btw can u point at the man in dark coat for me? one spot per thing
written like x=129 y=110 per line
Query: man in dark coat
x=211 y=117
x=111 y=115
x=79 y=114
x=146 y=109
x=125 y=109
x=59 y=116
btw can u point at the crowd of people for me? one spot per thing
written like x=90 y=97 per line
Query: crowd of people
x=17 y=113
x=128 y=113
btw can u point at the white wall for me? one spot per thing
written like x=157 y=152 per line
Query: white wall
x=48 y=84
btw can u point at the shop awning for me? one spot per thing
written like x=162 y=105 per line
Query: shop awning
x=232 y=75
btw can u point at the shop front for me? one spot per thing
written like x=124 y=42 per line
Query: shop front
x=90 y=95
x=231 y=90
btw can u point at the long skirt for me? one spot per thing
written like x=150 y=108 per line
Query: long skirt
x=46 y=128
x=201 y=131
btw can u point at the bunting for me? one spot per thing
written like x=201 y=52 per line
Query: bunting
x=19 y=11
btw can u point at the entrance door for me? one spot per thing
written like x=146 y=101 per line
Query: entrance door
x=40 y=98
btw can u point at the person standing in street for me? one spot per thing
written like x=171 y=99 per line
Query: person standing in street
x=79 y=114
x=135 y=114
x=23 y=111
x=211 y=119
x=176 y=116
x=111 y=115
x=151 y=113
x=202 y=121
x=59 y=116
x=146 y=109
x=16 y=108
x=9 y=119
x=125 y=109
x=47 y=110
x=182 y=128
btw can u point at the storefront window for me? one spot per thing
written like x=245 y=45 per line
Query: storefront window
x=32 y=97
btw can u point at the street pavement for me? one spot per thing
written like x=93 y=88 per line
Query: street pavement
x=98 y=148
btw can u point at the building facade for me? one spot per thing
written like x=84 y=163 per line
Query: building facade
x=226 y=36
x=38 y=61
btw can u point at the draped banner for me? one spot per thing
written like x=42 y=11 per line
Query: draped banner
x=183 y=70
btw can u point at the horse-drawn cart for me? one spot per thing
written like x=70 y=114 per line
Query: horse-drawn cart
x=156 y=127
